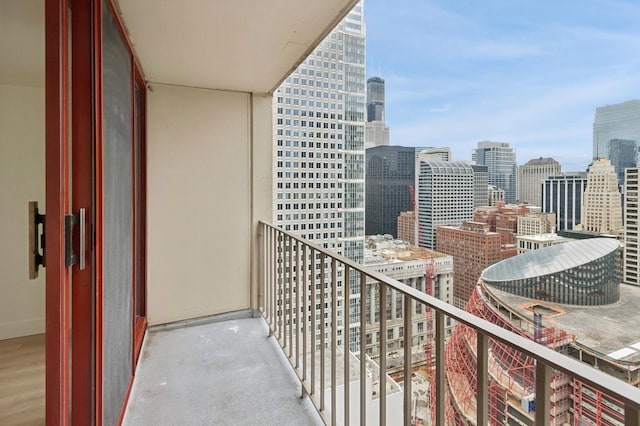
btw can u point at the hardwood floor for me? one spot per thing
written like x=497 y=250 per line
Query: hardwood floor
x=22 y=381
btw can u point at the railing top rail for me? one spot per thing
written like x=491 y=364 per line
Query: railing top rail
x=612 y=386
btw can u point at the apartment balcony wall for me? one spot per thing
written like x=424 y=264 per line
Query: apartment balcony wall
x=209 y=182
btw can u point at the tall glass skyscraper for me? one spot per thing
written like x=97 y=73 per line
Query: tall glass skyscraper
x=501 y=162
x=319 y=117
x=375 y=99
x=618 y=121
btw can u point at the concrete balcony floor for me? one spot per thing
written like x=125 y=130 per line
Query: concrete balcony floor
x=219 y=373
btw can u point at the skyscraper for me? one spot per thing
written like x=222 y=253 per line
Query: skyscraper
x=623 y=153
x=389 y=174
x=617 y=121
x=530 y=178
x=376 y=131
x=319 y=116
x=562 y=195
x=444 y=196
x=480 y=185
x=501 y=161
x=375 y=99
x=631 y=259
x=601 y=202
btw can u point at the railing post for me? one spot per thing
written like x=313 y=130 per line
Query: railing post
x=631 y=415
x=334 y=338
x=482 y=385
x=346 y=292
x=408 y=344
x=290 y=292
x=323 y=258
x=297 y=304
x=305 y=328
x=383 y=353
x=543 y=382
x=440 y=374
x=363 y=349
x=312 y=334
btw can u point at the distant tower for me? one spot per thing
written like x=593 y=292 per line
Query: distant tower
x=501 y=161
x=562 y=195
x=618 y=121
x=601 y=204
x=375 y=99
x=530 y=178
x=480 y=185
x=630 y=270
x=376 y=131
x=390 y=171
x=623 y=153
x=445 y=196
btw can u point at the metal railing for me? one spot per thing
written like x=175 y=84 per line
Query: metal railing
x=307 y=297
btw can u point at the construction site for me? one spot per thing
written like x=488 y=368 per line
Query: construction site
x=604 y=336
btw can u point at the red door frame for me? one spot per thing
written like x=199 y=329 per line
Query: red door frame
x=84 y=404
x=56 y=196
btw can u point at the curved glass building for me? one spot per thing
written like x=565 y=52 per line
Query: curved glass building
x=584 y=272
x=566 y=297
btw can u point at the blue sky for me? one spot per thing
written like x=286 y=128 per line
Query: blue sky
x=530 y=73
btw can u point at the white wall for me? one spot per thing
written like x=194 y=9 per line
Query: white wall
x=22 y=180
x=201 y=207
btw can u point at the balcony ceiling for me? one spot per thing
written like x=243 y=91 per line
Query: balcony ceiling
x=243 y=45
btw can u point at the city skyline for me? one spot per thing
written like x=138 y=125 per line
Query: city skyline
x=529 y=74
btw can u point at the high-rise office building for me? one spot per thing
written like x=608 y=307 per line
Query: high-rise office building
x=562 y=195
x=376 y=131
x=473 y=247
x=618 y=121
x=530 y=178
x=481 y=185
x=631 y=257
x=375 y=99
x=444 y=196
x=390 y=172
x=602 y=201
x=623 y=153
x=407 y=227
x=319 y=116
x=501 y=161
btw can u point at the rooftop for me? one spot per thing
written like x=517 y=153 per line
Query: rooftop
x=550 y=260
x=611 y=330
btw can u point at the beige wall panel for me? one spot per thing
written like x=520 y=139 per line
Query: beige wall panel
x=22 y=180
x=199 y=203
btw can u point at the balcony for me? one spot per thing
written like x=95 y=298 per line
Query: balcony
x=233 y=368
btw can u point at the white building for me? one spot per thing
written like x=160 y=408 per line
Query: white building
x=527 y=243
x=601 y=202
x=318 y=126
x=536 y=223
x=407 y=264
x=531 y=176
x=631 y=259
x=445 y=196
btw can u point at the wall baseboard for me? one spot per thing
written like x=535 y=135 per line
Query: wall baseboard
x=9 y=330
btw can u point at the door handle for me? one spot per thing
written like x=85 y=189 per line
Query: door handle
x=83 y=246
x=36 y=240
x=70 y=257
